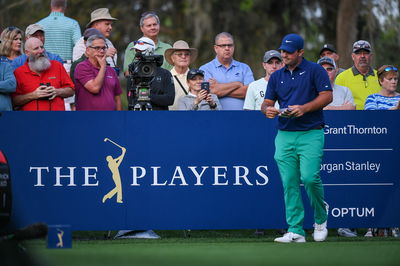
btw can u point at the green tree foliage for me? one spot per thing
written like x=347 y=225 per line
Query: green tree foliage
x=257 y=25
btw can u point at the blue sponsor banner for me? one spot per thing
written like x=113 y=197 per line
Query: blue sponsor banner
x=59 y=236
x=197 y=170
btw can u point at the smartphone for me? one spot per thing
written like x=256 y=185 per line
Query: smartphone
x=284 y=112
x=48 y=84
x=205 y=86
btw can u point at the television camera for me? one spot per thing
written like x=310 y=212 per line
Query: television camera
x=141 y=73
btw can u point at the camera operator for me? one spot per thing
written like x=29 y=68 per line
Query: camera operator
x=162 y=91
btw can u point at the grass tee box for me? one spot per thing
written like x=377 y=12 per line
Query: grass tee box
x=223 y=251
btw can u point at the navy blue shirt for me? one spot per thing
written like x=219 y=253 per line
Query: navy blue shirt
x=297 y=88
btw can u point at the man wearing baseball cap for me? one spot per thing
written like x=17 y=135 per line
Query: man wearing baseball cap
x=101 y=20
x=342 y=97
x=37 y=31
x=272 y=61
x=361 y=78
x=162 y=90
x=328 y=50
x=302 y=89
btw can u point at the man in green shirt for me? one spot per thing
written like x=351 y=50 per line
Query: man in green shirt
x=150 y=27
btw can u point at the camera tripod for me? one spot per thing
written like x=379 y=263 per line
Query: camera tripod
x=142 y=106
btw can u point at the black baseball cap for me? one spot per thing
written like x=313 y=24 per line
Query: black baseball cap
x=329 y=47
x=194 y=72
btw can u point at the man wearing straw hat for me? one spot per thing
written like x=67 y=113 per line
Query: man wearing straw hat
x=180 y=56
x=102 y=21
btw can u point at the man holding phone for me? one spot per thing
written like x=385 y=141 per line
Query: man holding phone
x=303 y=89
x=199 y=96
x=42 y=84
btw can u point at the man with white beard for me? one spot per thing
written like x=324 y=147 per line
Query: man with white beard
x=42 y=84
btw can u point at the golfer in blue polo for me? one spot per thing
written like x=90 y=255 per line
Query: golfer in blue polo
x=302 y=89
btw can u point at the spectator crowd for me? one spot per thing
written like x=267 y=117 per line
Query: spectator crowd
x=52 y=66
x=89 y=79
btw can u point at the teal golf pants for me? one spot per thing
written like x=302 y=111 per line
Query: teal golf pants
x=298 y=155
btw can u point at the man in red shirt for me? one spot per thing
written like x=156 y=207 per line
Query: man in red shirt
x=42 y=84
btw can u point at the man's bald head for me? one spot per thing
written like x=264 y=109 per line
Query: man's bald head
x=37 y=58
x=33 y=44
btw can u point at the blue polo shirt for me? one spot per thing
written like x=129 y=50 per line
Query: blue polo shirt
x=237 y=71
x=297 y=88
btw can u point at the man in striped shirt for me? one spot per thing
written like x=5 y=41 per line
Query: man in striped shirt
x=61 y=32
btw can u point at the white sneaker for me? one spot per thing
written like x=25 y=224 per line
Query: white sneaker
x=346 y=232
x=291 y=237
x=320 y=232
x=369 y=233
x=121 y=233
x=395 y=232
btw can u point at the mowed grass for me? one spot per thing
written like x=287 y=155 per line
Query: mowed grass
x=221 y=250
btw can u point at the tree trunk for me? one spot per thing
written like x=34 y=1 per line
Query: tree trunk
x=346 y=30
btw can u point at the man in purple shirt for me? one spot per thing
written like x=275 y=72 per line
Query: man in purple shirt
x=228 y=78
x=96 y=84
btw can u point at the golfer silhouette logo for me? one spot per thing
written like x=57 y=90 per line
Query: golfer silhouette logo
x=60 y=235
x=113 y=165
